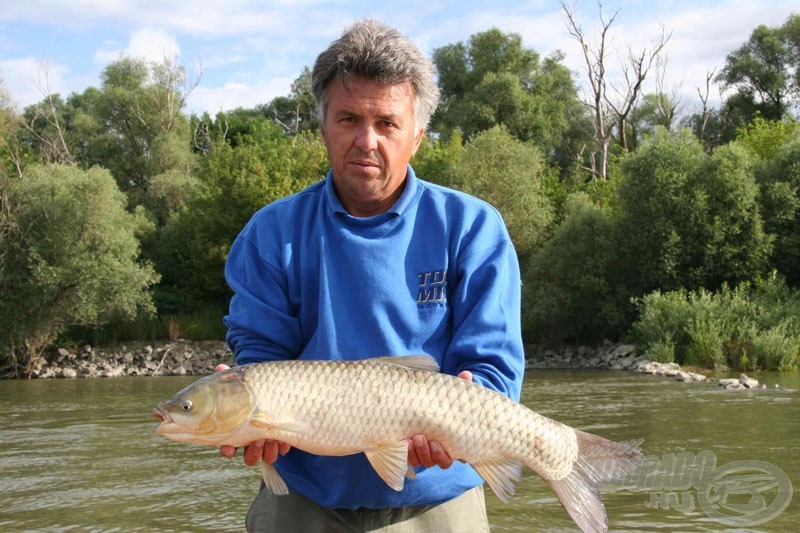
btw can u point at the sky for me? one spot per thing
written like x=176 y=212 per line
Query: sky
x=243 y=53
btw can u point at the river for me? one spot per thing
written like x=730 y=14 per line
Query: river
x=81 y=455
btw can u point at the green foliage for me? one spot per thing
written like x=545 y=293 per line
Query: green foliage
x=752 y=326
x=764 y=138
x=70 y=257
x=687 y=219
x=764 y=70
x=779 y=180
x=435 y=160
x=233 y=183
x=294 y=113
x=508 y=174
x=494 y=81
x=132 y=126
x=568 y=288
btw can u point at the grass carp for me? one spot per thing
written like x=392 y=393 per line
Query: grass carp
x=373 y=405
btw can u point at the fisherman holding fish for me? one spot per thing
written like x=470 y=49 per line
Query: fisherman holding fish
x=374 y=261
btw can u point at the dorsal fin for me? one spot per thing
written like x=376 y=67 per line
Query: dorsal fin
x=416 y=362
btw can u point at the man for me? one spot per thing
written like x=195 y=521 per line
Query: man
x=373 y=261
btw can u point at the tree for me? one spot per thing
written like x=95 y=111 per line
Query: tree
x=763 y=72
x=689 y=220
x=435 y=160
x=9 y=124
x=611 y=111
x=508 y=174
x=133 y=126
x=569 y=290
x=234 y=181
x=493 y=80
x=72 y=258
x=779 y=179
x=296 y=112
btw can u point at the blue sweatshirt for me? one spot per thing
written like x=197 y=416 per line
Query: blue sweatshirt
x=436 y=274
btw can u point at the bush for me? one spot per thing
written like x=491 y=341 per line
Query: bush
x=755 y=325
x=568 y=289
x=690 y=220
x=508 y=174
x=72 y=258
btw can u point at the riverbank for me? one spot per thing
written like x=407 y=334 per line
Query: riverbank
x=172 y=358
x=198 y=358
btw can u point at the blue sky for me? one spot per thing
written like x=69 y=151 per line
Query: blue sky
x=250 y=51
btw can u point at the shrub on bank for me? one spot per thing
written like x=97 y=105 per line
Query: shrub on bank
x=752 y=326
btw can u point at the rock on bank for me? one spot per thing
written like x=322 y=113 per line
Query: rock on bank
x=173 y=358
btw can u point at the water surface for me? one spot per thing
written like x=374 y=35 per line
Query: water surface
x=81 y=455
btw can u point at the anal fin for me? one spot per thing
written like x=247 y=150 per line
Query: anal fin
x=500 y=474
x=273 y=480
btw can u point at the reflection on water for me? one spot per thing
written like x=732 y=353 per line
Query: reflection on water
x=81 y=455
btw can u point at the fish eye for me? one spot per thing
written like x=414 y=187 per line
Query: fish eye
x=186 y=405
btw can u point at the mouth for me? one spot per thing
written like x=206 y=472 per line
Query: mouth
x=160 y=415
x=365 y=163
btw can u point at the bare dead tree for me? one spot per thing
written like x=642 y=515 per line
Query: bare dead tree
x=668 y=102
x=172 y=88
x=594 y=58
x=202 y=139
x=706 y=112
x=609 y=111
x=51 y=138
x=635 y=71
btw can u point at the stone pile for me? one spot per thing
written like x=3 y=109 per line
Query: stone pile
x=175 y=358
x=190 y=358
x=608 y=356
x=742 y=383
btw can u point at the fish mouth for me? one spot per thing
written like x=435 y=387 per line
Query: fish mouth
x=162 y=416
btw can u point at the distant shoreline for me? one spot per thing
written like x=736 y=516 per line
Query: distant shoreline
x=199 y=358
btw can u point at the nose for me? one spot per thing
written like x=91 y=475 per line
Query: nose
x=367 y=139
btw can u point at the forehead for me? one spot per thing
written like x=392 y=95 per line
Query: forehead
x=362 y=93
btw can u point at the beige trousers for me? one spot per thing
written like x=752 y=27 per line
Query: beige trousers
x=295 y=513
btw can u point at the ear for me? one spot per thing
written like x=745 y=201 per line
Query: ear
x=418 y=140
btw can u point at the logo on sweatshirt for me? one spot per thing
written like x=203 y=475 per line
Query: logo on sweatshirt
x=432 y=287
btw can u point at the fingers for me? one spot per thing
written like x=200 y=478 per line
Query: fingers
x=228 y=451
x=259 y=450
x=220 y=367
x=253 y=452
x=422 y=452
x=439 y=456
x=465 y=374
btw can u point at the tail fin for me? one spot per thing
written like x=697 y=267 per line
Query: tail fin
x=599 y=460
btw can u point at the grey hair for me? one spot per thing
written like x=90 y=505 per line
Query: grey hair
x=373 y=50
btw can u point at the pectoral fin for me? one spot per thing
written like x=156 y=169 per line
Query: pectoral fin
x=273 y=480
x=390 y=461
x=500 y=475
x=262 y=421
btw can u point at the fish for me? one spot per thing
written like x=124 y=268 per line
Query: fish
x=372 y=406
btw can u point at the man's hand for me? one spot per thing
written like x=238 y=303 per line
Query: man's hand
x=422 y=452
x=258 y=450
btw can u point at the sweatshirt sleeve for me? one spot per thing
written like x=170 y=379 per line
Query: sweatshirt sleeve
x=487 y=338
x=262 y=325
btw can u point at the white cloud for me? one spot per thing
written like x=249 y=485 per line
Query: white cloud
x=146 y=43
x=232 y=95
x=28 y=80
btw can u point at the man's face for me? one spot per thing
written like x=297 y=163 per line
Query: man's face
x=370 y=136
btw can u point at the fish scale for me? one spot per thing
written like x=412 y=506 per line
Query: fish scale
x=374 y=405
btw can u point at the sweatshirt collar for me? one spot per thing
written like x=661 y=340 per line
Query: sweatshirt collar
x=403 y=203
